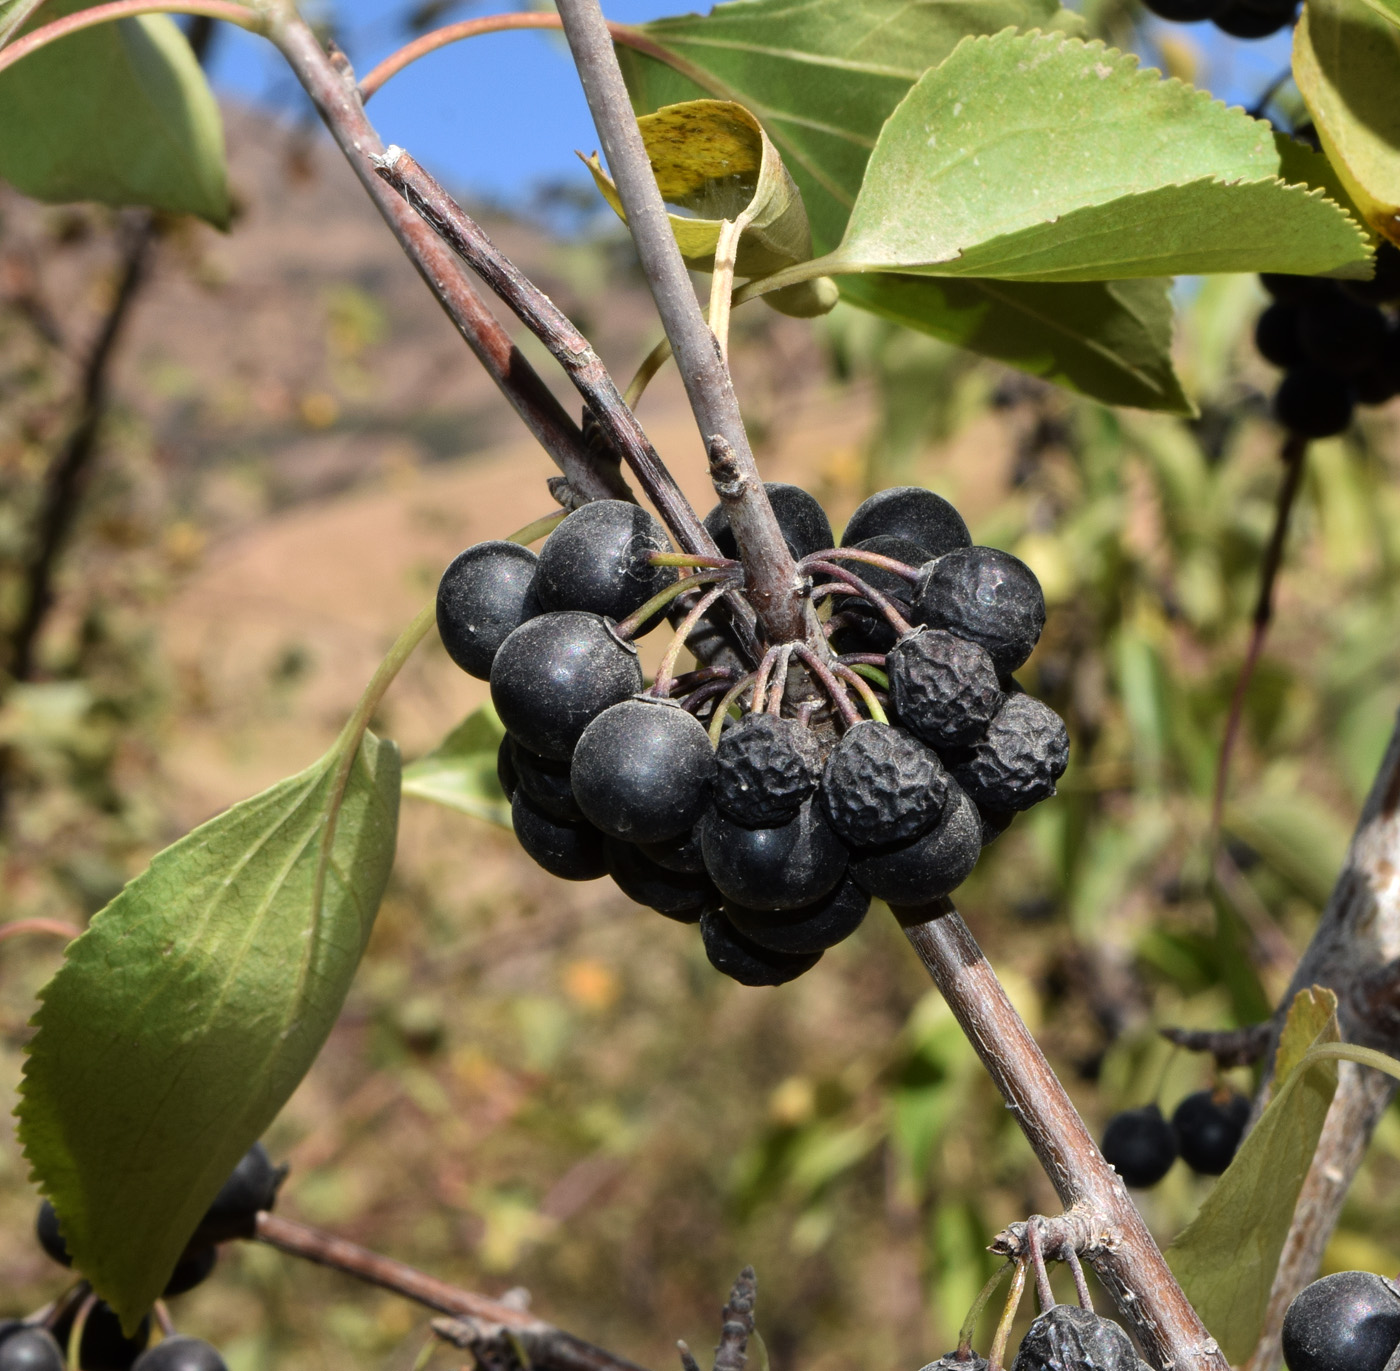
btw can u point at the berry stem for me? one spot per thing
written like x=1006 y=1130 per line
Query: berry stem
x=997 y=1355
x=774 y=703
x=871 y=673
x=661 y=687
x=1081 y=1286
x=872 y=705
x=537 y=530
x=632 y=624
x=75 y=1334
x=690 y=560
x=969 y=1325
x=697 y=698
x=646 y=373
x=1043 y=1292
x=760 y=685
x=830 y=684
x=900 y=624
x=717 y=721
x=856 y=554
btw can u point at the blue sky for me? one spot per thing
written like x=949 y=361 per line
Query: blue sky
x=498 y=115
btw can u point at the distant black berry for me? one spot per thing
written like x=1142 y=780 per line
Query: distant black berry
x=50 y=1238
x=29 y=1348
x=812 y=928
x=596 y=560
x=803 y=522
x=744 y=961
x=782 y=867
x=676 y=894
x=251 y=1188
x=1242 y=20
x=573 y=852
x=766 y=767
x=882 y=785
x=1293 y=289
x=180 y=1354
x=195 y=1267
x=1349 y=1321
x=1184 y=11
x=944 y=689
x=1384 y=286
x=1314 y=403
x=987 y=596
x=643 y=771
x=678 y=854
x=1276 y=334
x=546 y=782
x=1016 y=763
x=1209 y=1127
x=555 y=674
x=933 y=864
x=485 y=593
x=909 y=512
x=1340 y=334
x=1068 y=1338
x=1140 y=1145
x=104 y=1346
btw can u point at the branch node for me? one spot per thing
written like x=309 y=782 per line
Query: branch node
x=725 y=471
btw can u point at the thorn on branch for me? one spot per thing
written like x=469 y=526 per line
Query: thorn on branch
x=1229 y=1046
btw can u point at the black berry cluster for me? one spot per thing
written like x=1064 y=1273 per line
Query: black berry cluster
x=1338 y=343
x=759 y=803
x=1349 y=1321
x=1238 y=18
x=1205 y=1132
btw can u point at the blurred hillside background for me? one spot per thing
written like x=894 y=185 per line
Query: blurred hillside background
x=540 y=1084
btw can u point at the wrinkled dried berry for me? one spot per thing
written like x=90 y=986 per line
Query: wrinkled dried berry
x=1068 y=1338
x=813 y=928
x=882 y=785
x=944 y=689
x=933 y=864
x=765 y=768
x=987 y=596
x=1016 y=763
x=950 y=1361
x=744 y=961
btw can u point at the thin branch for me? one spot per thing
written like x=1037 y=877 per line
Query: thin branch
x=55 y=928
x=698 y=356
x=732 y=1352
x=551 y=1349
x=1128 y=1262
x=331 y=86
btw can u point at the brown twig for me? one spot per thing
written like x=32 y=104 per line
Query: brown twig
x=550 y=1348
x=54 y=927
x=737 y=1329
x=1229 y=1046
x=1128 y=1261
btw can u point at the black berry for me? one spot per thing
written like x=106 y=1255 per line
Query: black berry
x=678 y=854
x=911 y=512
x=181 y=1354
x=643 y=771
x=813 y=928
x=1340 y=334
x=944 y=689
x=678 y=895
x=104 y=1346
x=1313 y=403
x=951 y=1361
x=195 y=1267
x=882 y=785
x=573 y=852
x=29 y=1349
x=889 y=583
x=596 y=560
x=1276 y=334
x=803 y=522
x=995 y=822
x=251 y=1188
x=1140 y=1145
x=1016 y=763
x=505 y=767
x=1384 y=287
x=987 y=596
x=555 y=674
x=1241 y=20
x=50 y=1238
x=766 y=767
x=928 y=866
x=485 y=593
x=547 y=783
x=782 y=867
x=744 y=961
x=1184 y=11
x=1293 y=289
x=1209 y=1126
x=1068 y=1338
x=1349 y=1321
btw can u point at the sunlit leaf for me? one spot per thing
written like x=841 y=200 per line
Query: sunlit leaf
x=461 y=771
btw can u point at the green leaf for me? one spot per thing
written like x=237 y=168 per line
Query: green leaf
x=996 y=164
x=186 y=1015
x=119 y=113
x=461 y=771
x=1346 y=61
x=1226 y=1257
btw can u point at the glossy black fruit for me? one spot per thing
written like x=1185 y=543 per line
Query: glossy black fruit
x=1140 y=1145
x=195 y=1267
x=744 y=961
x=104 y=1347
x=596 y=560
x=1184 y=11
x=813 y=928
x=1294 y=289
x=1349 y=1321
x=803 y=521
x=1338 y=333
x=889 y=583
x=676 y=894
x=546 y=782
x=1276 y=334
x=1068 y=1338
x=765 y=767
x=1240 y=20
x=882 y=786
x=1017 y=761
x=573 y=852
x=1209 y=1126
x=782 y=867
x=29 y=1349
x=251 y=1188
x=50 y=1239
x=678 y=854
x=505 y=767
x=643 y=771
x=987 y=596
x=943 y=688
x=909 y=512
x=485 y=593
x=181 y=1354
x=1384 y=286
x=933 y=864
x=555 y=674
x=1314 y=403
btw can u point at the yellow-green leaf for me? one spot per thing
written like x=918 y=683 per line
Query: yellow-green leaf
x=461 y=771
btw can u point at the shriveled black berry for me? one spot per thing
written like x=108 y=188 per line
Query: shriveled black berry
x=1017 y=761
x=678 y=854
x=1068 y=1338
x=1184 y=11
x=909 y=512
x=50 y=1238
x=1276 y=334
x=505 y=767
x=251 y=1188
x=744 y=961
x=1140 y=1145
x=765 y=767
x=813 y=928
x=943 y=688
x=950 y=1361
x=643 y=771
x=104 y=1346
x=195 y=1266
x=596 y=560
x=1209 y=1126
x=803 y=522
x=28 y=1348
x=676 y=894
x=933 y=864
x=181 y=1353
x=782 y=867
x=546 y=782
x=1349 y=1321
x=1241 y=20
x=555 y=674
x=485 y=593
x=573 y=852
x=1340 y=334
x=1384 y=287
x=987 y=596
x=882 y=785
x=1314 y=403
